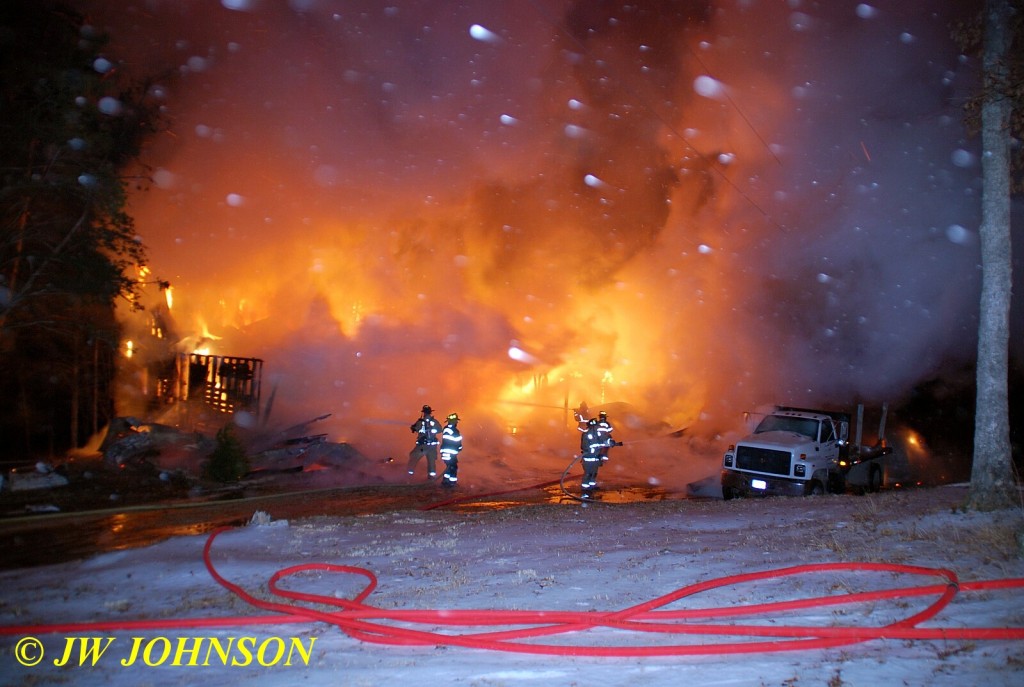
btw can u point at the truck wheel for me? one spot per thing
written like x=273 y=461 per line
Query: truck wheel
x=816 y=488
x=836 y=483
x=874 y=479
x=727 y=493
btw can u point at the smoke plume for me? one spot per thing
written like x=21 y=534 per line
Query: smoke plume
x=688 y=209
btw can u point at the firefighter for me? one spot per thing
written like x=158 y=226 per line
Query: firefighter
x=591 y=445
x=426 y=429
x=604 y=430
x=451 y=445
x=580 y=414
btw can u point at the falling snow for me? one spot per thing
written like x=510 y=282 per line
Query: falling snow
x=709 y=87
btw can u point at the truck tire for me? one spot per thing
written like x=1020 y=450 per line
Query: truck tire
x=836 y=483
x=728 y=494
x=815 y=488
x=874 y=479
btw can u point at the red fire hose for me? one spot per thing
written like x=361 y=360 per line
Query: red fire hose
x=370 y=624
x=475 y=496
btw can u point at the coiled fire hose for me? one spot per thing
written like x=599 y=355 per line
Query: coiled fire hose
x=520 y=629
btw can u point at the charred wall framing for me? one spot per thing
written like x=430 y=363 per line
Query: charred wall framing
x=224 y=383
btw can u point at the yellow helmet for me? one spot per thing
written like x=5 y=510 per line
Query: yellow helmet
x=453 y=417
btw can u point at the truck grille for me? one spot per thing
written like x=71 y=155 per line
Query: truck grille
x=762 y=460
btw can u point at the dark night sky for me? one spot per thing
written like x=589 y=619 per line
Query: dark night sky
x=691 y=207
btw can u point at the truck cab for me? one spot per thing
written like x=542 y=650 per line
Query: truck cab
x=791 y=452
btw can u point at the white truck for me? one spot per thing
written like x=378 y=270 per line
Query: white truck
x=800 y=451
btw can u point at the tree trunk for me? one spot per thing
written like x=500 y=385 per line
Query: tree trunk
x=992 y=481
x=76 y=394
x=95 y=384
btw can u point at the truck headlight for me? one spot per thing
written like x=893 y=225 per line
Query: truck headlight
x=800 y=470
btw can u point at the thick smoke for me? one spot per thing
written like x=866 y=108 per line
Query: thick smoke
x=689 y=208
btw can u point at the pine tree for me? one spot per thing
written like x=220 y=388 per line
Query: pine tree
x=68 y=249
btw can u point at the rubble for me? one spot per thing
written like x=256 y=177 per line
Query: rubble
x=42 y=476
x=147 y=462
x=132 y=442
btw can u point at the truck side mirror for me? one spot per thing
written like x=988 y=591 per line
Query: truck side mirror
x=844 y=431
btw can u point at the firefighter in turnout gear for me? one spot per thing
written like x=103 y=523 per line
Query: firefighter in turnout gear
x=604 y=431
x=581 y=416
x=451 y=445
x=591 y=445
x=426 y=430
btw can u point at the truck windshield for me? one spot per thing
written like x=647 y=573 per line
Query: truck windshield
x=781 y=423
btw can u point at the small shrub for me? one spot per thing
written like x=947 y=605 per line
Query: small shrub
x=228 y=461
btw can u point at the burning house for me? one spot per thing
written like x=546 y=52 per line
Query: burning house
x=690 y=207
x=186 y=387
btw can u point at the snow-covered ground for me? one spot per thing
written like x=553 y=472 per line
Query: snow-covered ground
x=582 y=561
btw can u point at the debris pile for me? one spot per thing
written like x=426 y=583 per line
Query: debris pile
x=144 y=462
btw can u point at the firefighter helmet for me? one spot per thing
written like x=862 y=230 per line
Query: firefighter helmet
x=427 y=409
x=453 y=417
x=592 y=422
x=603 y=415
